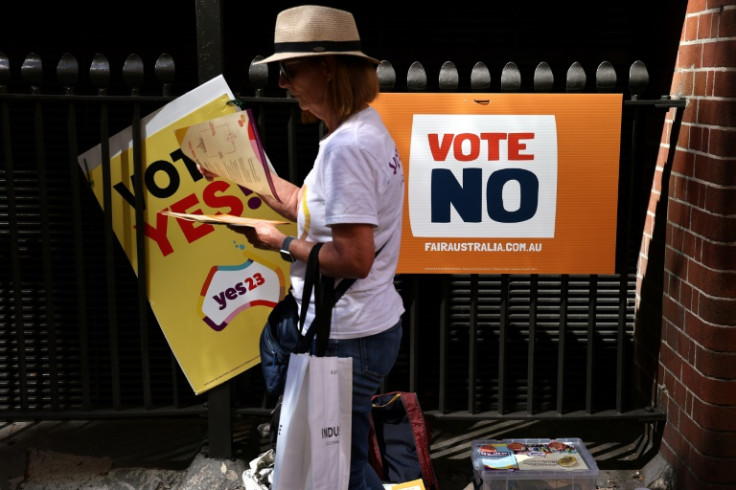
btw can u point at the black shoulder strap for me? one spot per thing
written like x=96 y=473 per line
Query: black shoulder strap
x=325 y=297
x=310 y=279
x=324 y=300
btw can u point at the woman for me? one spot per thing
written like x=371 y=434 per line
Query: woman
x=351 y=200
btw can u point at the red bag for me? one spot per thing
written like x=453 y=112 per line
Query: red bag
x=399 y=440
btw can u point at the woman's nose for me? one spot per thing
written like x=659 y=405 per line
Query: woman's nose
x=283 y=81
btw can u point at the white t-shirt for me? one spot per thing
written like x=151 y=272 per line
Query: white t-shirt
x=356 y=178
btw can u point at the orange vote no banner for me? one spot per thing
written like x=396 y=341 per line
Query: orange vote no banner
x=507 y=183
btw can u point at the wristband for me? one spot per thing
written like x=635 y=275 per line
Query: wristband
x=285 y=254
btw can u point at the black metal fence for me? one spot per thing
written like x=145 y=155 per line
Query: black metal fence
x=78 y=339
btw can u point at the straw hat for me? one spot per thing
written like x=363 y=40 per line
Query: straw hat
x=312 y=30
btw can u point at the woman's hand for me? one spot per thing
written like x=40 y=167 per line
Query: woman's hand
x=263 y=236
x=206 y=173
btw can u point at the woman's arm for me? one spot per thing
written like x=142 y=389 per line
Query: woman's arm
x=288 y=194
x=350 y=253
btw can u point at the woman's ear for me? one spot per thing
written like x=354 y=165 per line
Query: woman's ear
x=327 y=63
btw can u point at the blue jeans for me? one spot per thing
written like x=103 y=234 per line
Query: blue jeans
x=373 y=358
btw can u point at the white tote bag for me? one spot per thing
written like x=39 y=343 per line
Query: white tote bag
x=313 y=443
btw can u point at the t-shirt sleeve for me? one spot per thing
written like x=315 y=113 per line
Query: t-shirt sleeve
x=351 y=184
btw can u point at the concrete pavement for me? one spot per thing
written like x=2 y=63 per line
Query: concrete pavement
x=171 y=453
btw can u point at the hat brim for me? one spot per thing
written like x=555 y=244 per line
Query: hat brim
x=300 y=54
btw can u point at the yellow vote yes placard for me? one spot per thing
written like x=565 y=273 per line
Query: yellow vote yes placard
x=210 y=291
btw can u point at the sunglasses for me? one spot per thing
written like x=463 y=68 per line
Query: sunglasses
x=286 y=68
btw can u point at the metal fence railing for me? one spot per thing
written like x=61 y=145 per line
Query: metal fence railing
x=78 y=338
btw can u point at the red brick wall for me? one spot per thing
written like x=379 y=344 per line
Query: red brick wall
x=696 y=379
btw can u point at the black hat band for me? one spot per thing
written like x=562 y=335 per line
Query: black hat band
x=316 y=46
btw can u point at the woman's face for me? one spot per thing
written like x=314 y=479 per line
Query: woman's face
x=306 y=80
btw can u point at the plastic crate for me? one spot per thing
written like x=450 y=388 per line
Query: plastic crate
x=533 y=464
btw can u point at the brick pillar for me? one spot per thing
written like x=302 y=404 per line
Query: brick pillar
x=696 y=378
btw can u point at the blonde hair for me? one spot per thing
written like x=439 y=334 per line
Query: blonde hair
x=354 y=84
